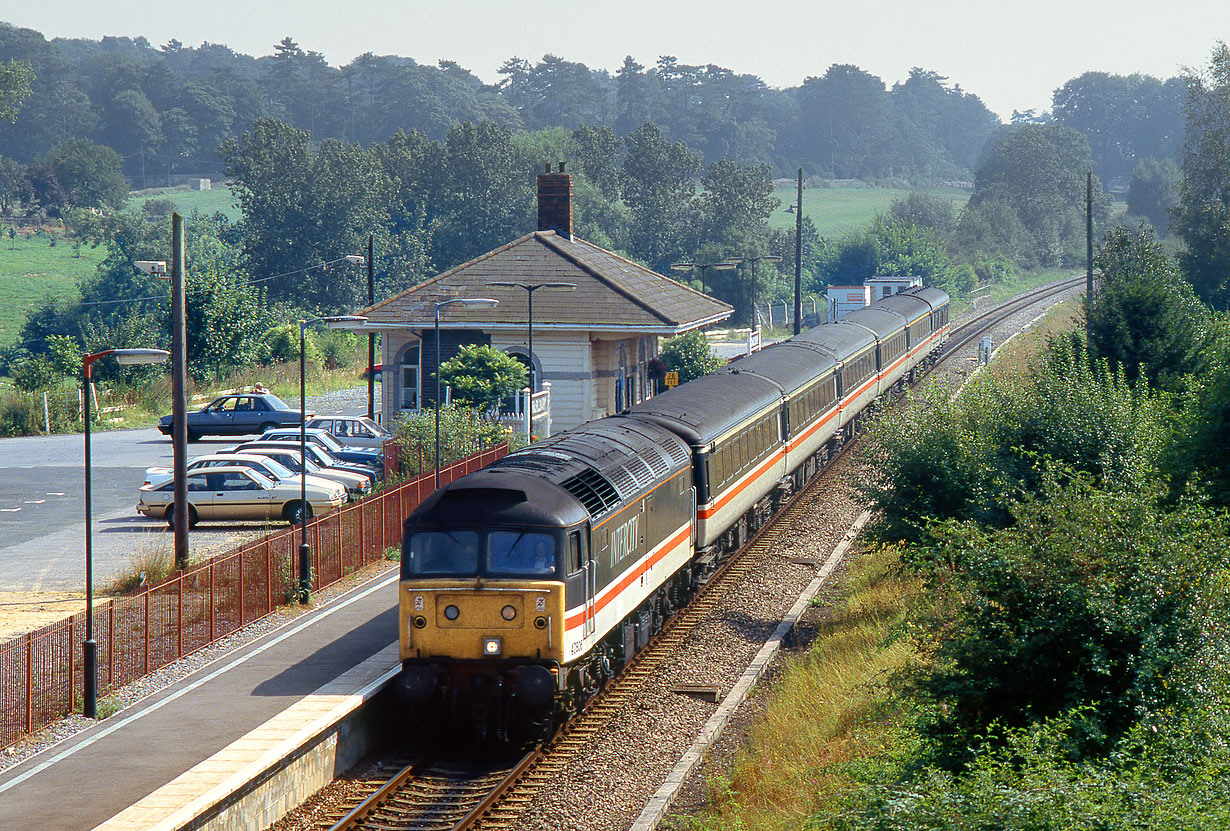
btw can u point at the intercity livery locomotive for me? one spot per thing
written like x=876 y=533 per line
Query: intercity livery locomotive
x=528 y=584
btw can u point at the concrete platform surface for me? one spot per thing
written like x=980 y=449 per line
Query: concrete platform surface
x=89 y=778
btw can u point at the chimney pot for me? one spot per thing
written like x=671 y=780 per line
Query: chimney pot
x=561 y=167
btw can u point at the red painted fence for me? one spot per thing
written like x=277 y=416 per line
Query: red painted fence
x=41 y=672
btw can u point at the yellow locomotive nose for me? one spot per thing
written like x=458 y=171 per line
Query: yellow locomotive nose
x=482 y=623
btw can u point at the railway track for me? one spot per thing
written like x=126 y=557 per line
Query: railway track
x=430 y=794
x=966 y=332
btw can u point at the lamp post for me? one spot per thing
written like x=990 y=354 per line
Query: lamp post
x=768 y=258
x=369 y=260
x=703 y=268
x=305 y=567
x=127 y=357
x=465 y=301
x=530 y=288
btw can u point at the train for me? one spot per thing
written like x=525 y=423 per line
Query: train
x=527 y=585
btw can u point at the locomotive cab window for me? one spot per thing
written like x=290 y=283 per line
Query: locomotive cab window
x=520 y=552
x=443 y=552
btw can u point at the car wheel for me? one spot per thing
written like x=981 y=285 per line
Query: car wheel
x=293 y=512
x=192 y=517
x=267 y=426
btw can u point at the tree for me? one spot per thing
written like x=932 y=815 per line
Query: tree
x=659 y=188
x=134 y=126
x=1151 y=193
x=14 y=186
x=1202 y=215
x=1145 y=319
x=15 y=79
x=1037 y=172
x=690 y=355
x=482 y=376
x=89 y=173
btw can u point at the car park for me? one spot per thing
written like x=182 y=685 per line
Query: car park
x=324 y=440
x=353 y=431
x=357 y=479
x=238 y=493
x=261 y=464
x=238 y=414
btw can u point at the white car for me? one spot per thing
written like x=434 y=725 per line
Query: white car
x=261 y=464
x=354 y=431
x=358 y=481
x=238 y=493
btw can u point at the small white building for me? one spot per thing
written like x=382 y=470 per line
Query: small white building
x=882 y=287
x=593 y=343
x=844 y=299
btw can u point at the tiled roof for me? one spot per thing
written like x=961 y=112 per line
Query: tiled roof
x=611 y=292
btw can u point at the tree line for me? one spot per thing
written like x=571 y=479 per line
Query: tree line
x=169 y=108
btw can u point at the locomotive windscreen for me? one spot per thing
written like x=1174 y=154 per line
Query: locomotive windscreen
x=469 y=553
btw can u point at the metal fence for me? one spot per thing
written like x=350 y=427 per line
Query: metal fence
x=41 y=672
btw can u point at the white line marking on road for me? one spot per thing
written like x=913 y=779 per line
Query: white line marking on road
x=64 y=754
x=35 y=501
x=55 y=493
x=9 y=510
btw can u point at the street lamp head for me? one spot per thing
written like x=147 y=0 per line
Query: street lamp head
x=152 y=266
x=136 y=357
x=683 y=266
x=727 y=265
x=772 y=258
x=356 y=259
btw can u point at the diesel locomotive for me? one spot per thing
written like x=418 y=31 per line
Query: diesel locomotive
x=528 y=584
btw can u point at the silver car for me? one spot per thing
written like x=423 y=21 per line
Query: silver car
x=353 y=431
x=357 y=482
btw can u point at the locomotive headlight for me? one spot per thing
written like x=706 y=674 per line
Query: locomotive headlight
x=508 y=613
x=420 y=622
x=492 y=647
x=452 y=612
x=540 y=622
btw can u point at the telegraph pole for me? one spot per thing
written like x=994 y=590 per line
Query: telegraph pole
x=798 y=257
x=1089 y=236
x=179 y=393
x=371 y=336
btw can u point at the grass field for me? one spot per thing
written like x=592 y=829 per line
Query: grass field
x=218 y=200
x=31 y=269
x=835 y=211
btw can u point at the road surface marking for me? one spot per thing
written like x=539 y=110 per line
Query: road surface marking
x=10 y=510
x=55 y=493
x=35 y=501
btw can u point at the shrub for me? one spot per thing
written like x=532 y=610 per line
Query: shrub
x=690 y=355
x=280 y=344
x=463 y=431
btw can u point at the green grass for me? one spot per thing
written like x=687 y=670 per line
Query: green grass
x=31 y=269
x=218 y=200
x=834 y=211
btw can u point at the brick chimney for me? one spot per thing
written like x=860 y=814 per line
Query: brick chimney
x=555 y=202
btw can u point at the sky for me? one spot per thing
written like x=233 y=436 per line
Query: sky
x=1011 y=55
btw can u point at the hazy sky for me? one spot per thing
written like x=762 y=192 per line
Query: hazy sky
x=1011 y=55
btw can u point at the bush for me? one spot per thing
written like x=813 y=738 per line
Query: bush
x=690 y=355
x=280 y=344
x=463 y=431
x=337 y=347
x=482 y=376
x=1092 y=598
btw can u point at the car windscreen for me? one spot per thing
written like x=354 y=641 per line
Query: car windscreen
x=442 y=552
x=328 y=441
x=274 y=402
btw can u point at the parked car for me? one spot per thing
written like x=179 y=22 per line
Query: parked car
x=357 y=479
x=261 y=464
x=237 y=415
x=354 y=431
x=325 y=440
x=239 y=493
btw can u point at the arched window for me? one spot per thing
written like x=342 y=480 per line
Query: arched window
x=409 y=374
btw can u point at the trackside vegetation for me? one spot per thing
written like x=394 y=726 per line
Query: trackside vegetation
x=1035 y=636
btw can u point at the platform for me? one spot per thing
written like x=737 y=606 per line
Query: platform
x=102 y=772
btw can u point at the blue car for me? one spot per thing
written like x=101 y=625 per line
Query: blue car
x=237 y=415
